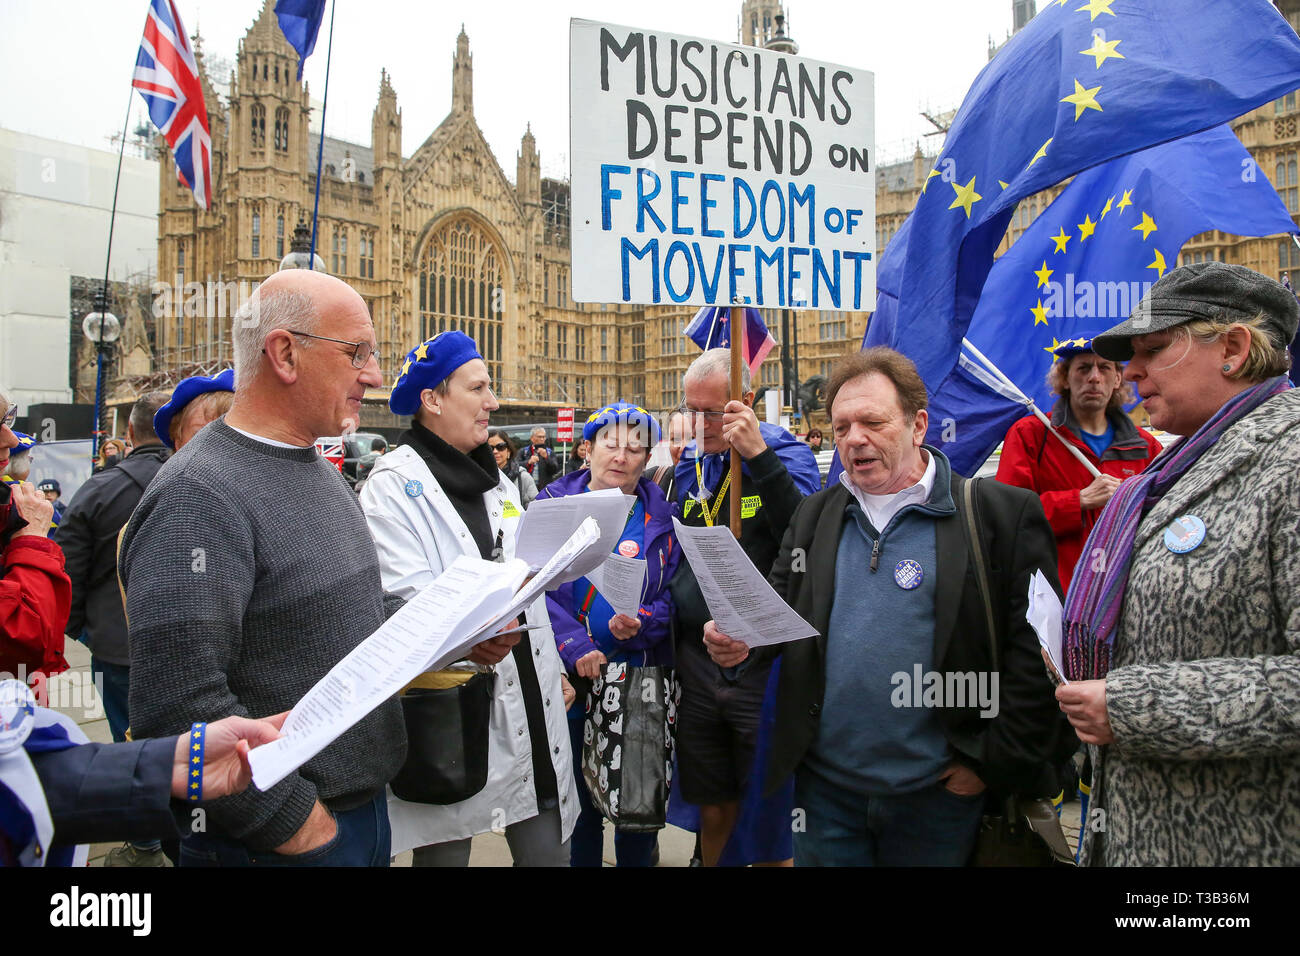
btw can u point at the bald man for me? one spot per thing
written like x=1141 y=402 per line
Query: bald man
x=249 y=573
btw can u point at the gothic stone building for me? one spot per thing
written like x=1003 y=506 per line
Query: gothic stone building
x=437 y=239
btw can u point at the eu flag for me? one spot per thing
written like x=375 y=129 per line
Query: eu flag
x=711 y=329
x=1084 y=82
x=1083 y=266
x=300 y=23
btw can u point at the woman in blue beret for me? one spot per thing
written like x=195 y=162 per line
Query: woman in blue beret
x=587 y=631
x=438 y=495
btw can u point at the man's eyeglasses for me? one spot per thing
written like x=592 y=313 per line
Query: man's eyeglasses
x=361 y=351
x=709 y=416
x=10 y=416
x=498 y=447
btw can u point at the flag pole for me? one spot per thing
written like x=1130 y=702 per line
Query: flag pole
x=738 y=355
x=1029 y=403
x=320 y=147
x=100 y=350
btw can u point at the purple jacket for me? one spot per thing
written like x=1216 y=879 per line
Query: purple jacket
x=661 y=557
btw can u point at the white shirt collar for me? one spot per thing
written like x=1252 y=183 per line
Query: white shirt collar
x=268 y=441
x=881 y=508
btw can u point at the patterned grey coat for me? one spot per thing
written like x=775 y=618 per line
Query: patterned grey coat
x=1204 y=693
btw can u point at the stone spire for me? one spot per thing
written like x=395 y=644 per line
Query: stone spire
x=462 y=76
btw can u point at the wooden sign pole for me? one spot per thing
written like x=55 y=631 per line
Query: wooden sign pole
x=737 y=319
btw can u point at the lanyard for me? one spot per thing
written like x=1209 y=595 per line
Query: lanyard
x=710 y=516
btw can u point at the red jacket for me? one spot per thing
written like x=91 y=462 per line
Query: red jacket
x=35 y=598
x=1033 y=459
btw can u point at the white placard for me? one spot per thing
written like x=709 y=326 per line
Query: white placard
x=707 y=173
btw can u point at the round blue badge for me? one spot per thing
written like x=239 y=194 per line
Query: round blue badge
x=1184 y=534
x=414 y=489
x=908 y=574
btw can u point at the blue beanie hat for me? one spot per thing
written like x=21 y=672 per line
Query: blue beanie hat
x=633 y=415
x=427 y=366
x=188 y=390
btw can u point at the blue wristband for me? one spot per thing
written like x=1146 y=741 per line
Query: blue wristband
x=194 y=784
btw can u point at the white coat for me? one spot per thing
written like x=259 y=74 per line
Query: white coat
x=417 y=536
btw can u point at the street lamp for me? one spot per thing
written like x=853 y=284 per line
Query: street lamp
x=102 y=328
x=300 y=255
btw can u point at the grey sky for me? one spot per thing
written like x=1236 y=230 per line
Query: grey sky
x=66 y=67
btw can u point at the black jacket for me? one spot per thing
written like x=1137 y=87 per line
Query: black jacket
x=547 y=467
x=88 y=536
x=1011 y=752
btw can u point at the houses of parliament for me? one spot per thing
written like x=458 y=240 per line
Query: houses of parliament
x=442 y=238
x=438 y=239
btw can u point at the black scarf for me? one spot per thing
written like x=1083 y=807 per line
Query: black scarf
x=463 y=478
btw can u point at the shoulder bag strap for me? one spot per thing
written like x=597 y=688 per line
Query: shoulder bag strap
x=970 y=525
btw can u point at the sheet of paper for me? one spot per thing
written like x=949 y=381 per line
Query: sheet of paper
x=434 y=624
x=743 y=604
x=1044 y=616
x=619 y=581
x=579 y=547
x=549 y=522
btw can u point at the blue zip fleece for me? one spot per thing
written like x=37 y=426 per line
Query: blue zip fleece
x=877 y=630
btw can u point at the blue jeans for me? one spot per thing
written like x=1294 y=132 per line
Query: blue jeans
x=115 y=683
x=363 y=839
x=588 y=840
x=929 y=827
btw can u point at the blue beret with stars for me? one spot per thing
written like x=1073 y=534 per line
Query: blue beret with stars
x=427 y=365
x=633 y=415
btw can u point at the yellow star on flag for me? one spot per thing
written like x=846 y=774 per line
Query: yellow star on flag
x=1061 y=240
x=1158 y=264
x=1146 y=226
x=929 y=176
x=1125 y=202
x=1042 y=151
x=1083 y=99
x=966 y=196
x=1103 y=51
x=422 y=352
x=1040 y=313
x=1106 y=208
x=1086 y=228
x=1054 y=346
x=1044 y=274
x=1096 y=8
x=1002 y=184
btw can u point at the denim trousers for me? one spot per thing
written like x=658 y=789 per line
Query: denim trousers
x=363 y=839
x=928 y=827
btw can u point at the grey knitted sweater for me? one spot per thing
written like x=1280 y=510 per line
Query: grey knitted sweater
x=249 y=573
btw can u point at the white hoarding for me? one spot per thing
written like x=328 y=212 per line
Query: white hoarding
x=706 y=173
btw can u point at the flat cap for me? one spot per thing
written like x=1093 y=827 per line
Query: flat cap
x=1205 y=290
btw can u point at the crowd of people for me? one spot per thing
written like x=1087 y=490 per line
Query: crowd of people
x=212 y=601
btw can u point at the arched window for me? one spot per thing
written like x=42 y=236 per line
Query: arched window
x=257 y=128
x=462 y=286
x=282 y=129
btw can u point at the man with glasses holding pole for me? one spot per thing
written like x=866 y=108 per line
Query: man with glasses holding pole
x=718 y=720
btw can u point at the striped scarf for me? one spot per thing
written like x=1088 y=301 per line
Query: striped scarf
x=1092 y=608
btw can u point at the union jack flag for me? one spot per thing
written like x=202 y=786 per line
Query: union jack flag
x=168 y=78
